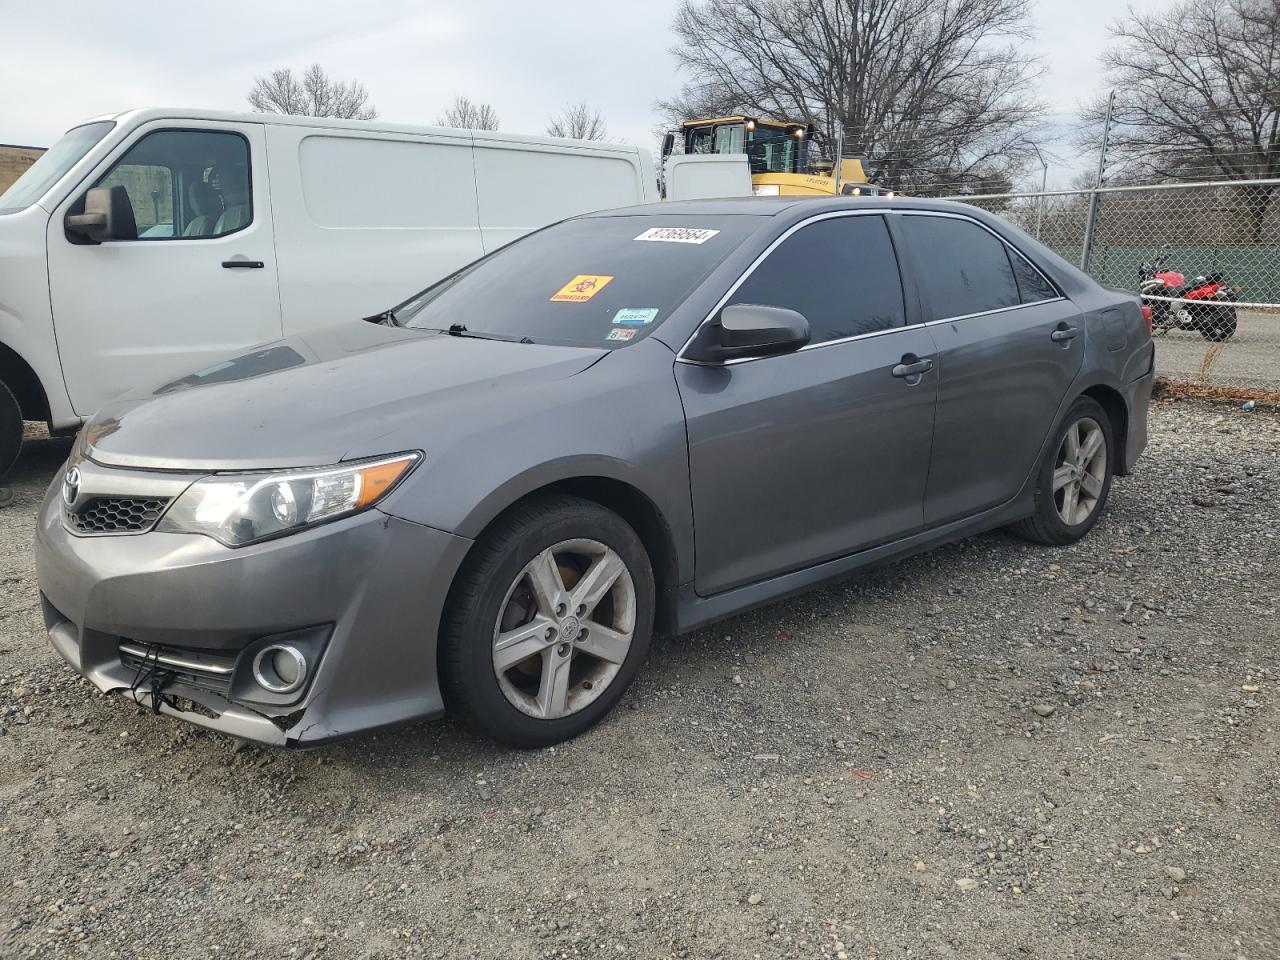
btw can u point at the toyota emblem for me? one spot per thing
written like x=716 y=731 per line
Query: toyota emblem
x=71 y=486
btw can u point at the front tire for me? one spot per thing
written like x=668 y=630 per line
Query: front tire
x=548 y=622
x=10 y=430
x=1074 y=478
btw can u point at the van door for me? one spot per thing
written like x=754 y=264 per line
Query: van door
x=366 y=219
x=197 y=283
x=524 y=186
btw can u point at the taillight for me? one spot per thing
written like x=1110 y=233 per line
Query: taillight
x=1146 y=315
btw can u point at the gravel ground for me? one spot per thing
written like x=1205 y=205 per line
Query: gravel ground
x=1249 y=359
x=994 y=750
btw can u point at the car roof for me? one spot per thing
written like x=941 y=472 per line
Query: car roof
x=790 y=210
x=776 y=206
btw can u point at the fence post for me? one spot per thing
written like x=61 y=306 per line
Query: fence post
x=1092 y=218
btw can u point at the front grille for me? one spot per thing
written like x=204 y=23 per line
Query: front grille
x=116 y=514
x=196 y=668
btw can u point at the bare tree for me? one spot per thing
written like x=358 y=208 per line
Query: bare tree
x=468 y=114
x=1197 y=93
x=932 y=91
x=578 y=121
x=311 y=95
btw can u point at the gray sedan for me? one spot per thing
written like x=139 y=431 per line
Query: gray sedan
x=490 y=499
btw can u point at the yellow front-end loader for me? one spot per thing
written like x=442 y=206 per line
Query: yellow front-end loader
x=778 y=155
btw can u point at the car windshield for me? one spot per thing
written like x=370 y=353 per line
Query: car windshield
x=53 y=163
x=597 y=281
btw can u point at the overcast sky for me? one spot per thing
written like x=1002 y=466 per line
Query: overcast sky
x=69 y=60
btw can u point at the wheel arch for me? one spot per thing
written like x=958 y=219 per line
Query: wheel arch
x=639 y=511
x=23 y=381
x=1112 y=402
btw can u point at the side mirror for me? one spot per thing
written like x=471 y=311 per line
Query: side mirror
x=668 y=144
x=749 y=330
x=107 y=215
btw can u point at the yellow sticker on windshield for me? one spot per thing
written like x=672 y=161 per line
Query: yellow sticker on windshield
x=581 y=288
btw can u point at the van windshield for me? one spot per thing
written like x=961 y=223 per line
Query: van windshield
x=53 y=163
x=597 y=281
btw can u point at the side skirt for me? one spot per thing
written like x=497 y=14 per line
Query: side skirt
x=693 y=611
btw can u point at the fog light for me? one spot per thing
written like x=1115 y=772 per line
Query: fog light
x=280 y=668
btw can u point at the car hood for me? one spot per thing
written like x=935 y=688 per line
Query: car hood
x=319 y=399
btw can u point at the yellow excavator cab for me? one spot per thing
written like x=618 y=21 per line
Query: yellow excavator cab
x=778 y=153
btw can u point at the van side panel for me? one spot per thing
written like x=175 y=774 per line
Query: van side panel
x=526 y=186
x=365 y=221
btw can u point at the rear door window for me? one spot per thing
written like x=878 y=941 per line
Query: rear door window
x=841 y=273
x=964 y=269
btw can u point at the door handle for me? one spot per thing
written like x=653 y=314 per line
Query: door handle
x=912 y=366
x=1064 y=334
x=244 y=264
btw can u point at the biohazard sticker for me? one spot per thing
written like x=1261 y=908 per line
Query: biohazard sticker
x=581 y=288
x=635 y=316
x=620 y=334
x=678 y=234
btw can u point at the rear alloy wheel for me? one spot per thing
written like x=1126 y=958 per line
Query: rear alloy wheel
x=1217 y=323
x=10 y=430
x=1074 y=478
x=548 y=622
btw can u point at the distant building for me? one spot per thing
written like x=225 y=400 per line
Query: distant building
x=14 y=161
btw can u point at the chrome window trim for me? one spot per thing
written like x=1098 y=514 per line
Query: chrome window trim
x=751 y=268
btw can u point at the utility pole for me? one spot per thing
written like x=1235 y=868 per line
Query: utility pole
x=1044 y=181
x=1092 y=219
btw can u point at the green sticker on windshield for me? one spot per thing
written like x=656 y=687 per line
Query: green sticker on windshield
x=635 y=316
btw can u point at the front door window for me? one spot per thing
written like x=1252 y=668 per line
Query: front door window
x=186 y=184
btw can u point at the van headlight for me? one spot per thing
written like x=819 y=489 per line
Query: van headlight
x=765 y=189
x=241 y=508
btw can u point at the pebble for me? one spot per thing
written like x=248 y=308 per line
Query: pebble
x=1044 y=709
x=967 y=883
x=754 y=899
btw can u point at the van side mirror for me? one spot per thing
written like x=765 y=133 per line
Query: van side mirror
x=107 y=215
x=749 y=330
x=668 y=144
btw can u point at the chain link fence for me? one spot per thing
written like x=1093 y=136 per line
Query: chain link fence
x=1226 y=231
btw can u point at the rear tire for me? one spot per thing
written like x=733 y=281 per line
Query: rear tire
x=548 y=622
x=10 y=430
x=1217 y=323
x=1073 y=480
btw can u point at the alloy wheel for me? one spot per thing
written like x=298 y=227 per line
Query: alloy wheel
x=564 y=628
x=1081 y=471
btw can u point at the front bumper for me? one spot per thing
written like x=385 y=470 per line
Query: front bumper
x=368 y=591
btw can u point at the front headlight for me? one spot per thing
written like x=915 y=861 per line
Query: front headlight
x=765 y=189
x=239 y=508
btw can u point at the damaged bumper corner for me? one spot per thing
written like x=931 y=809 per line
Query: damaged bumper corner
x=368 y=592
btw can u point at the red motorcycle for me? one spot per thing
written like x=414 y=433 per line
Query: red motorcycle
x=1206 y=304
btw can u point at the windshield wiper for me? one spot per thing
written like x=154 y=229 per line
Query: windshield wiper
x=460 y=330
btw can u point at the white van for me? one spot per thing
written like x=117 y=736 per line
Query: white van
x=209 y=232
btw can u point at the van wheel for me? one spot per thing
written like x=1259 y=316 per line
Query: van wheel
x=10 y=430
x=548 y=622
x=1074 y=479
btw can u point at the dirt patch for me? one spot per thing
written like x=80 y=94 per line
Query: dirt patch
x=993 y=750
